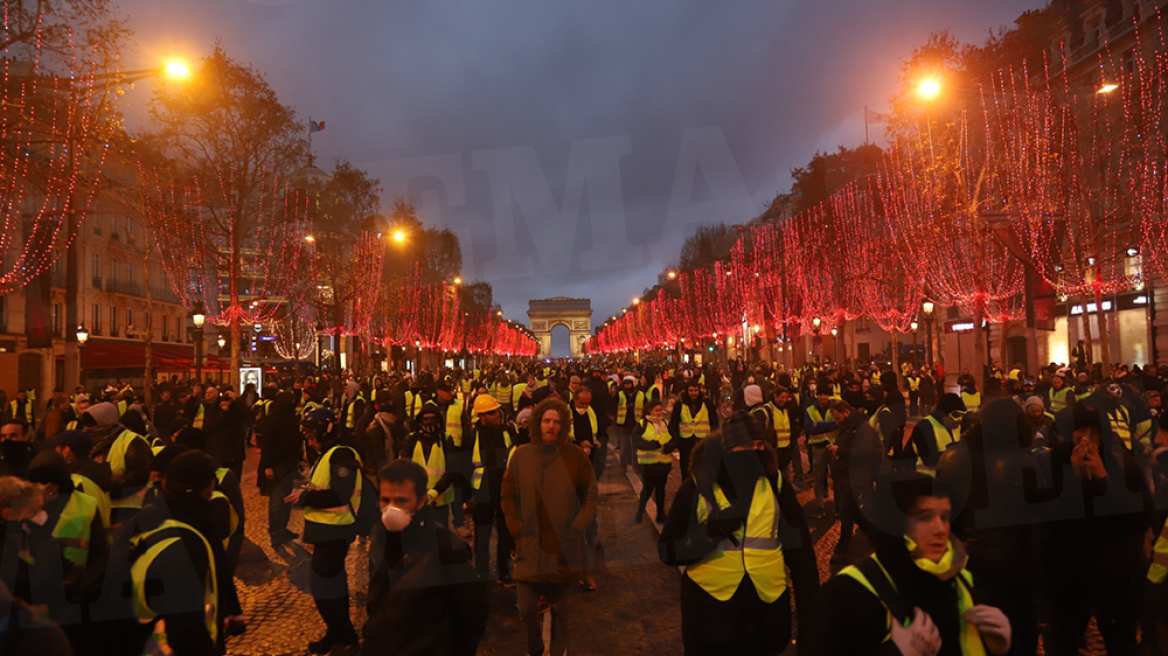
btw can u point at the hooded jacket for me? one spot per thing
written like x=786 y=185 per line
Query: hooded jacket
x=549 y=498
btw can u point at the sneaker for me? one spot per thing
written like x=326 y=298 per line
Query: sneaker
x=322 y=646
x=587 y=582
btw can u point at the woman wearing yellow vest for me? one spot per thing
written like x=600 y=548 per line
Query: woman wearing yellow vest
x=654 y=446
x=736 y=525
x=331 y=503
x=914 y=596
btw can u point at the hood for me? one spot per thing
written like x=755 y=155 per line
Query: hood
x=104 y=414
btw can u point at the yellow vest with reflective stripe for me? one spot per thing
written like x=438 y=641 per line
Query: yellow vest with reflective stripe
x=502 y=394
x=1060 y=398
x=820 y=418
x=1120 y=421
x=435 y=468
x=476 y=478
x=322 y=477
x=454 y=422
x=117 y=462
x=197 y=422
x=15 y=413
x=874 y=420
x=517 y=391
x=914 y=383
x=622 y=407
x=101 y=496
x=971 y=643
x=233 y=525
x=758 y=552
x=591 y=421
x=694 y=425
x=656 y=457
x=73 y=527
x=782 y=424
x=141 y=567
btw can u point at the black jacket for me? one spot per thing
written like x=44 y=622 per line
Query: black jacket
x=344 y=475
x=424 y=596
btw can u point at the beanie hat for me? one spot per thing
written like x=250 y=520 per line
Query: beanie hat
x=950 y=403
x=1034 y=400
x=752 y=395
x=104 y=414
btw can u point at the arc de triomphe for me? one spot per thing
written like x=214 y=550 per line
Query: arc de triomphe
x=573 y=313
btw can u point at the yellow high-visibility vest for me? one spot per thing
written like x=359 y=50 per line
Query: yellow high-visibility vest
x=435 y=468
x=694 y=425
x=476 y=478
x=943 y=437
x=73 y=527
x=820 y=418
x=758 y=552
x=322 y=477
x=454 y=422
x=657 y=457
x=1060 y=398
x=914 y=383
x=592 y=421
x=972 y=401
x=1120 y=420
x=781 y=421
x=1158 y=571
x=117 y=462
x=141 y=567
x=622 y=409
x=350 y=416
x=86 y=485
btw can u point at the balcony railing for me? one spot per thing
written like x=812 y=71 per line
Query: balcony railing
x=96 y=282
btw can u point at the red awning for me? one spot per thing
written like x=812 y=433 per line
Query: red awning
x=111 y=354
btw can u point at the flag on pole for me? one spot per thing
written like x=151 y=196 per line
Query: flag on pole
x=314 y=126
x=871 y=116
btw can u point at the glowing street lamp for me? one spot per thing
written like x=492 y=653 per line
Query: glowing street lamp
x=177 y=70
x=82 y=335
x=399 y=236
x=929 y=88
x=1107 y=88
x=222 y=341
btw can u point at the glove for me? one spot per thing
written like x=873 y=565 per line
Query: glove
x=920 y=638
x=720 y=526
x=994 y=627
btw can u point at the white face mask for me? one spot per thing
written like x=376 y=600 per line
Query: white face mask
x=395 y=519
x=40 y=518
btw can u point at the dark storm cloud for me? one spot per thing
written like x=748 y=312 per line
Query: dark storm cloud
x=573 y=146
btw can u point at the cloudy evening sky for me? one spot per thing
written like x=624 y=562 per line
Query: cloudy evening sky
x=572 y=146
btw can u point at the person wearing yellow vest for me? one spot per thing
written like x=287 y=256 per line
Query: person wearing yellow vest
x=429 y=446
x=22 y=408
x=630 y=410
x=914 y=393
x=501 y=390
x=736 y=526
x=936 y=432
x=654 y=448
x=1060 y=395
x=331 y=503
x=491 y=446
x=913 y=597
x=128 y=455
x=176 y=564
x=972 y=398
x=692 y=419
x=820 y=427
x=73 y=548
x=352 y=408
x=88 y=476
x=456 y=423
x=787 y=426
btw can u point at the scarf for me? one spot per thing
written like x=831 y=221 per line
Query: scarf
x=945 y=569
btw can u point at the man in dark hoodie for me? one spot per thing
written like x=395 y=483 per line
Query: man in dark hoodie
x=934 y=434
x=16 y=447
x=491 y=444
x=281 y=450
x=128 y=456
x=424 y=596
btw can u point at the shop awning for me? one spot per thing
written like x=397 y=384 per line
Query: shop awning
x=113 y=354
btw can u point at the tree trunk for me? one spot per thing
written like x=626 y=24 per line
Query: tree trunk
x=1089 y=341
x=148 y=384
x=1104 y=332
x=979 y=344
x=896 y=357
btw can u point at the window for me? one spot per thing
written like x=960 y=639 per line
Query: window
x=130 y=272
x=3 y=315
x=178 y=329
x=58 y=320
x=129 y=319
x=113 y=276
x=165 y=328
x=113 y=321
x=97 y=266
x=95 y=320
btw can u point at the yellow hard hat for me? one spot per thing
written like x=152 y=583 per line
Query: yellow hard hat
x=485 y=403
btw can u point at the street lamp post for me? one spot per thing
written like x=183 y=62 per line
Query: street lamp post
x=82 y=337
x=928 y=308
x=913 y=327
x=199 y=317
